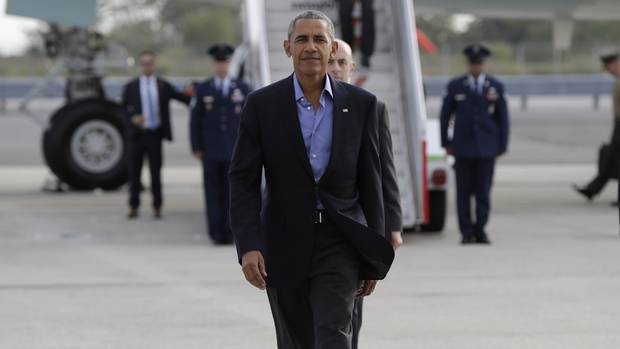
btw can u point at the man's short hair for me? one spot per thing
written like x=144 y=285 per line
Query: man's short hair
x=313 y=14
x=147 y=52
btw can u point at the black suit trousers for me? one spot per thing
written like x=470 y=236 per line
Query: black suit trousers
x=217 y=198
x=474 y=178
x=368 y=25
x=147 y=144
x=318 y=313
x=605 y=165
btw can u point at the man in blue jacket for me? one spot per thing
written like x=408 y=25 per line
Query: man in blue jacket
x=214 y=122
x=475 y=105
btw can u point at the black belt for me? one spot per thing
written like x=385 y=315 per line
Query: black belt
x=320 y=216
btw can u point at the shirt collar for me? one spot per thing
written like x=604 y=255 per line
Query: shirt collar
x=299 y=93
x=218 y=80
x=481 y=78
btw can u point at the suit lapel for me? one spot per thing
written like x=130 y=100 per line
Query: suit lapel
x=160 y=95
x=294 y=127
x=340 y=105
x=138 y=97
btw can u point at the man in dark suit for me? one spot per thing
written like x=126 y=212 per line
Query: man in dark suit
x=214 y=122
x=341 y=67
x=316 y=240
x=476 y=103
x=146 y=100
x=609 y=163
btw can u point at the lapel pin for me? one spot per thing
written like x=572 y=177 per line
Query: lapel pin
x=345 y=110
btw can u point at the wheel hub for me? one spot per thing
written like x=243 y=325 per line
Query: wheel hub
x=96 y=146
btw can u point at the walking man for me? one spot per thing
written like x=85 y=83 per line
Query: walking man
x=341 y=67
x=316 y=239
x=609 y=163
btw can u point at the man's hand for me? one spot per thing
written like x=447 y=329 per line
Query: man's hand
x=397 y=240
x=366 y=288
x=449 y=151
x=198 y=155
x=253 y=266
x=138 y=120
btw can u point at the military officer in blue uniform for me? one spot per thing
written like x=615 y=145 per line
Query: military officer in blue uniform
x=474 y=129
x=216 y=107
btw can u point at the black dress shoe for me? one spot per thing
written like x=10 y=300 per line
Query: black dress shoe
x=466 y=240
x=583 y=191
x=133 y=213
x=483 y=239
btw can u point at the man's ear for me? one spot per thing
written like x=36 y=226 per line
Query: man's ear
x=287 y=47
x=334 y=47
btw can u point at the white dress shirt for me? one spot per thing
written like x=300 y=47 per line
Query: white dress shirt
x=148 y=84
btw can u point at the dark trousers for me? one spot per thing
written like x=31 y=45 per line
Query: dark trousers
x=357 y=320
x=606 y=164
x=474 y=178
x=146 y=144
x=216 y=193
x=368 y=25
x=317 y=314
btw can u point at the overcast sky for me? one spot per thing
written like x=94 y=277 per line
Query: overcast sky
x=13 y=39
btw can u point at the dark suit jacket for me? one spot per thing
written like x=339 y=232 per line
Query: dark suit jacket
x=132 y=104
x=281 y=225
x=481 y=123
x=391 y=194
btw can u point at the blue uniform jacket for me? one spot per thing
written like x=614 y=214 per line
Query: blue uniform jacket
x=481 y=122
x=214 y=119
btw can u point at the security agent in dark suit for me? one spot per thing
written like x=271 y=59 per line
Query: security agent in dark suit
x=146 y=100
x=341 y=67
x=214 y=122
x=609 y=161
x=316 y=240
x=476 y=104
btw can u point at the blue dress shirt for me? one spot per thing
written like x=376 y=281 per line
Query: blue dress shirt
x=316 y=126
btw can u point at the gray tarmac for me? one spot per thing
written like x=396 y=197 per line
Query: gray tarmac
x=74 y=273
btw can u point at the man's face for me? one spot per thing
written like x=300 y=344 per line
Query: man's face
x=341 y=65
x=476 y=68
x=310 y=46
x=613 y=68
x=221 y=68
x=147 y=64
